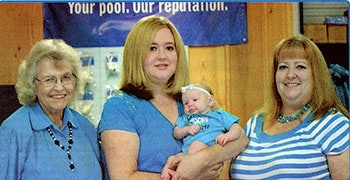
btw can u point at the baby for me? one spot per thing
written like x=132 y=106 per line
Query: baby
x=204 y=122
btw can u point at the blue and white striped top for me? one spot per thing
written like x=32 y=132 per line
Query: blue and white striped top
x=297 y=154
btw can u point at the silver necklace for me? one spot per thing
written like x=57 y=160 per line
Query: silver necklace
x=286 y=119
x=70 y=143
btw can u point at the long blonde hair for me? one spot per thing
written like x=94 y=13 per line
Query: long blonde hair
x=324 y=96
x=136 y=49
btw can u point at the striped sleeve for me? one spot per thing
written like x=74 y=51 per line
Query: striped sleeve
x=332 y=134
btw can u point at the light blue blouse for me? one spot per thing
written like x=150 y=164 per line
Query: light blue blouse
x=27 y=151
x=129 y=113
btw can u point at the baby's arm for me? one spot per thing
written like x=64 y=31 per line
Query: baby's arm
x=231 y=135
x=180 y=133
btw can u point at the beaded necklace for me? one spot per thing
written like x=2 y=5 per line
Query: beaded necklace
x=286 y=119
x=70 y=143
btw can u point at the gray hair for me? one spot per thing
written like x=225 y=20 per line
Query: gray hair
x=53 y=49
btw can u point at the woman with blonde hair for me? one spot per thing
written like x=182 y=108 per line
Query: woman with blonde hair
x=137 y=123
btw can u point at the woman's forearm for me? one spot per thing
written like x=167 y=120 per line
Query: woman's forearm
x=207 y=158
x=139 y=176
x=217 y=153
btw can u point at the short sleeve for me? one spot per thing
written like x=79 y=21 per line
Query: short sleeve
x=229 y=119
x=334 y=135
x=249 y=127
x=182 y=121
x=117 y=114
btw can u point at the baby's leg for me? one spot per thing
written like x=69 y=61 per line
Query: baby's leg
x=195 y=147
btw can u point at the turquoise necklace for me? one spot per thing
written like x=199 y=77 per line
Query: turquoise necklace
x=286 y=119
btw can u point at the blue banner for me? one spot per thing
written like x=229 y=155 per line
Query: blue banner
x=106 y=24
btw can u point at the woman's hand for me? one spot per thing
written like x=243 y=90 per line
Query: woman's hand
x=207 y=163
x=187 y=169
x=169 y=170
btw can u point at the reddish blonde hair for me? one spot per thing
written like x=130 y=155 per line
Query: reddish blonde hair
x=324 y=96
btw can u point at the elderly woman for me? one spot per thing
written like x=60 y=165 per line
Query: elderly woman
x=45 y=139
x=302 y=131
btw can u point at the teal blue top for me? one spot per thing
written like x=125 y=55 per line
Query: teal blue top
x=129 y=113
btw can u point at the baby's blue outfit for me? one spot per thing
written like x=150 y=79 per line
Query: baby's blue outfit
x=211 y=125
x=27 y=150
x=126 y=112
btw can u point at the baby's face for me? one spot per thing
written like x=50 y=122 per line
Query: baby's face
x=195 y=101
